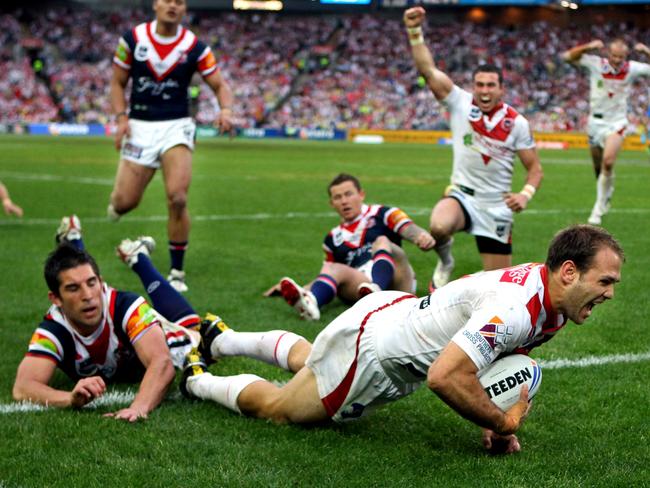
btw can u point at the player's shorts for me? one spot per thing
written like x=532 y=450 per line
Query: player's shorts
x=351 y=381
x=149 y=140
x=179 y=340
x=488 y=214
x=598 y=130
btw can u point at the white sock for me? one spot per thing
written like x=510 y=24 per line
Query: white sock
x=223 y=390
x=604 y=189
x=444 y=252
x=112 y=214
x=272 y=347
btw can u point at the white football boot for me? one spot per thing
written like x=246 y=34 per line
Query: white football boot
x=69 y=229
x=129 y=250
x=176 y=279
x=302 y=300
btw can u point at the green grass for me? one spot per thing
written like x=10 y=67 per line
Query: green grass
x=589 y=426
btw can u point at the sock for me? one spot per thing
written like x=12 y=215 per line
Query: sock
x=167 y=301
x=383 y=268
x=324 y=289
x=77 y=243
x=112 y=214
x=223 y=390
x=177 y=253
x=444 y=252
x=604 y=190
x=271 y=347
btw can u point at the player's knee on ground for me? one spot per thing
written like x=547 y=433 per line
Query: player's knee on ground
x=298 y=355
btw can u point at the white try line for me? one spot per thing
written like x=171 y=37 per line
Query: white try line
x=123 y=398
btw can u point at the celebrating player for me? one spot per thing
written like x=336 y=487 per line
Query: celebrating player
x=389 y=343
x=157 y=131
x=611 y=80
x=487 y=133
x=96 y=334
x=362 y=253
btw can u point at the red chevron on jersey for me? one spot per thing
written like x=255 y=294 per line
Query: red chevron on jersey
x=160 y=58
x=502 y=121
x=609 y=73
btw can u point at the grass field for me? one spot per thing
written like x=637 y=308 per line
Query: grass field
x=260 y=212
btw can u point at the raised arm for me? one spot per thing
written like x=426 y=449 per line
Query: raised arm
x=574 y=54
x=642 y=48
x=33 y=376
x=153 y=353
x=222 y=90
x=439 y=83
x=453 y=378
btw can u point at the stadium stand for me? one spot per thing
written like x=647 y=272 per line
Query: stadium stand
x=321 y=72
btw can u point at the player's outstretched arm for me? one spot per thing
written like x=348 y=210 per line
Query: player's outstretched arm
x=222 y=90
x=439 y=83
x=574 y=54
x=453 y=378
x=153 y=352
x=118 y=103
x=418 y=236
x=32 y=381
x=9 y=207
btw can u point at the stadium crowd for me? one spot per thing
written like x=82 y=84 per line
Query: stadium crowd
x=321 y=72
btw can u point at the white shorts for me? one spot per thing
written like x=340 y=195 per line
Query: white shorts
x=489 y=215
x=179 y=340
x=351 y=381
x=598 y=130
x=149 y=140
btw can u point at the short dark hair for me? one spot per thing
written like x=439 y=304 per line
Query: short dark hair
x=580 y=244
x=64 y=257
x=342 y=178
x=489 y=68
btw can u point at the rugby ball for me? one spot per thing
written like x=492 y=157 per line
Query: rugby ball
x=502 y=380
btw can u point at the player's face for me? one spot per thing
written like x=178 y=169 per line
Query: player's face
x=347 y=200
x=170 y=11
x=594 y=286
x=80 y=297
x=487 y=91
x=617 y=54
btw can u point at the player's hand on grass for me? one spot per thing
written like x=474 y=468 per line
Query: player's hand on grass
x=86 y=390
x=129 y=414
x=500 y=444
x=425 y=241
x=11 y=208
x=121 y=130
x=413 y=17
x=516 y=201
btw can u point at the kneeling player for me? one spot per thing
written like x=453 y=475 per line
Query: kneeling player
x=97 y=334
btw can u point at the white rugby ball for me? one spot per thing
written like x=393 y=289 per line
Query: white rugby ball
x=502 y=380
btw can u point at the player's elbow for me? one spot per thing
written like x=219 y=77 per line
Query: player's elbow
x=437 y=380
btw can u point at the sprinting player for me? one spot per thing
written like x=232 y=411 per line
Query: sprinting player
x=389 y=343
x=157 y=130
x=611 y=80
x=97 y=335
x=487 y=134
x=362 y=253
x=9 y=207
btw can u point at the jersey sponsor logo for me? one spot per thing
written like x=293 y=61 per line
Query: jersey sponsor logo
x=480 y=343
x=121 y=53
x=467 y=139
x=507 y=124
x=156 y=88
x=353 y=411
x=425 y=302
x=132 y=151
x=475 y=114
x=517 y=274
x=496 y=332
x=337 y=237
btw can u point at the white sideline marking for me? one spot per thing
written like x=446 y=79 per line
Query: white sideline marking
x=119 y=398
x=293 y=215
x=67 y=179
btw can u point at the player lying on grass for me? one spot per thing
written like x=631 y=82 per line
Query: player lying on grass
x=97 y=335
x=362 y=253
x=389 y=343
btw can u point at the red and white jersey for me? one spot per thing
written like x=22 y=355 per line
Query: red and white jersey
x=485 y=144
x=611 y=88
x=486 y=314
